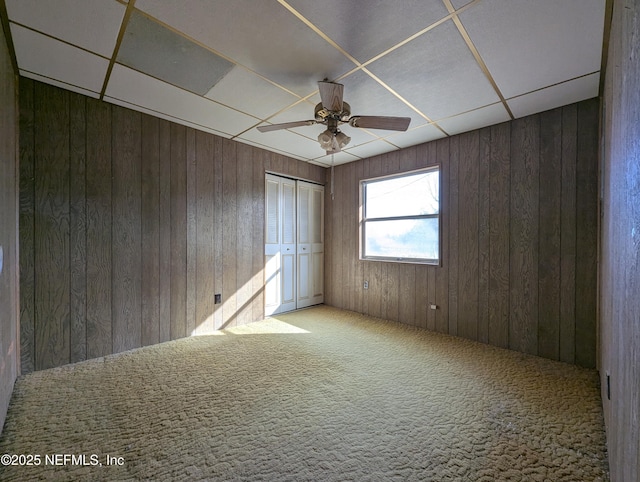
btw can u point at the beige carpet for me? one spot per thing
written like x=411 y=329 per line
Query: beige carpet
x=318 y=395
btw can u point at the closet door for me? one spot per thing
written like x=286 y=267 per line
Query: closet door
x=280 y=245
x=310 y=244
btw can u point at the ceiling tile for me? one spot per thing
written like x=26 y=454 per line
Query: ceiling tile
x=159 y=52
x=419 y=135
x=485 y=116
x=139 y=89
x=365 y=31
x=299 y=112
x=339 y=158
x=458 y=4
x=265 y=99
x=528 y=45
x=161 y=115
x=555 y=96
x=284 y=141
x=57 y=83
x=367 y=97
x=371 y=149
x=262 y=36
x=57 y=60
x=96 y=23
x=436 y=73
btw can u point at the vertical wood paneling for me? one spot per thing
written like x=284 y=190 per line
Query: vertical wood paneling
x=27 y=226
x=229 y=233
x=468 y=235
x=51 y=227
x=454 y=232
x=258 y=170
x=126 y=234
x=587 y=229
x=150 y=219
x=391 y=292
x=366 y=266
x=376 y=284
x=442 y=271
x=77 y=229
x=409 y=280
x=99 y=223
x=131 y=224
x=335 y=285
x=507 y=243
x=218 y=222
x=568 y=235
x=205 y=255
x=164 y=213
x=10 y=181
x=484 y=176
x=346 y=223
x=499 y=229
x=178 y=306
x=549 y=259
x=244 y=233
x=190 y=322
x=523 y=247
x=358 y=266
x=619 y=357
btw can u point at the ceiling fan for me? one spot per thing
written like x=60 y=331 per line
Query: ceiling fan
x=332 y=111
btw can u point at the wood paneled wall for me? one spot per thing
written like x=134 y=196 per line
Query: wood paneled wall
x=8 y=229
x=130 y=224
x=519 y=237
x=620 y=254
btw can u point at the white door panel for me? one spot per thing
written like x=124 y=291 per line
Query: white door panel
x=294 y=244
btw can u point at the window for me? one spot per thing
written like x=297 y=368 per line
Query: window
x=400 y=217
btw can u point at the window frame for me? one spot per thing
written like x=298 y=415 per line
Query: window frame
x=363 y=220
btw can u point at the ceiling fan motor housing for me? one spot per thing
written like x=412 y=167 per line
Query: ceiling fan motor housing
x=322 y=114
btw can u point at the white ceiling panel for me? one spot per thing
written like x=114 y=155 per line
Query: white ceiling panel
x=161 y=115
x=263 y=36
x=339 y=158
x=51 y=58
x=365 y=30
x=95 y=23
x=371 y=149
x=457 y=4
x=485 y=116
x=436 y=73
x=57 y=83
x=265 y=100
x=285 y=141
x=528 y=45
x=367 y=97
x=139 y=89
x=555 y=96
x=419 y=135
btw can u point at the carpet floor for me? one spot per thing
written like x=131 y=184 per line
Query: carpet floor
x=315 y=395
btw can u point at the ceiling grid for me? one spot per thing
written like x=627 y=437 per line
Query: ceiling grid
x=450 y=65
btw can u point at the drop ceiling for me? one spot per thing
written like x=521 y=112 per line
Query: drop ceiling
x=228 y=66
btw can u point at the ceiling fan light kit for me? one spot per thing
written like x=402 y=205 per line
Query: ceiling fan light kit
x=332 y=111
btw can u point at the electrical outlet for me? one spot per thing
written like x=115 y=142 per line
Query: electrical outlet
x=366 y=285
x=217 y=299
x=433 y=306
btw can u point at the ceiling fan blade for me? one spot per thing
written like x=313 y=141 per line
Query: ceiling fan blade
x=286 y=125
x=331 y=95
x=380 y=122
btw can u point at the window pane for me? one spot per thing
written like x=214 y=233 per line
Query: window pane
x=403 y=196
x=405 y=238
